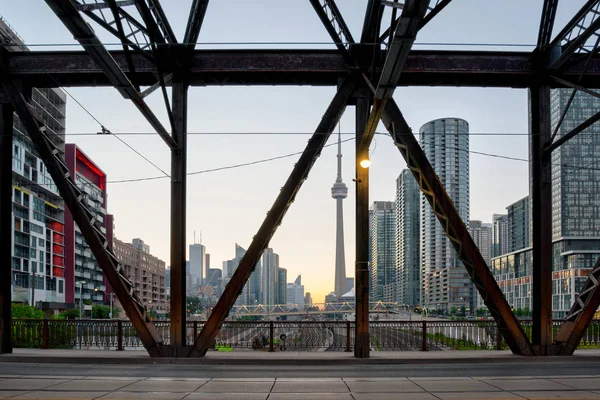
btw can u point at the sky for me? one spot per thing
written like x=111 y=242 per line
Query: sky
x=228 y=126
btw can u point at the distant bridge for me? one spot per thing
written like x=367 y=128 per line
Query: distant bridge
x=315 y=309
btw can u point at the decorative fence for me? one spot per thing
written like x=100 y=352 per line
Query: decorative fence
x=279 y=335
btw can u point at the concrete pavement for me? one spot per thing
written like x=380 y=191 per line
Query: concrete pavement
x=400 y=388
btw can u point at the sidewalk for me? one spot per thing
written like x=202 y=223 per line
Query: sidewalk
x=85 y=387
x=286 y=358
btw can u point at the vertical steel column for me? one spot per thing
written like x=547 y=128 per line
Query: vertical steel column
x=541 y=209
x=178 y=215
x=361 y=268
x=6 y=139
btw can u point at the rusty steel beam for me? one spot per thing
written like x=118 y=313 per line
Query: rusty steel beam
x=298 y=67
x=178 y=221
x=362 y=339
x=455 y=229
x=274 y=217
x=547 y=22
x=86 y=221
x=6 y=230
x=579 y=317
x=540 y=172
x=195 y=20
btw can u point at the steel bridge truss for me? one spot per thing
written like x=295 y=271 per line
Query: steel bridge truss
x=366 y=74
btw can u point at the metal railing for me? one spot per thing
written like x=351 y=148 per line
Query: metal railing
x=279 y=335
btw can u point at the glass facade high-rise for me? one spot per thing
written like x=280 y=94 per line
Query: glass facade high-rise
x=382 y=232
x=519 y=225
x=446 y=284
x=499 y=234
x=408 y=271
x=575 y=211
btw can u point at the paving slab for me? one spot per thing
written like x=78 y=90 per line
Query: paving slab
x=272 y=380
x=527 y=384
x=456 y=385
x=227 y=396
x=93 y=384
x=305 y=396
x=307 y=386
x=386 y=396
x=9 y=393
x=571 y=395
x=394 y=379
x=236 y=387
x=383 y=387
x=152 y=385
x=144 y=396
x=40 y=395
x=28 y=384
x=476 y=395
x=577 y=383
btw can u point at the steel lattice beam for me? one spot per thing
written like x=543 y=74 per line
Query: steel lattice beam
x=547 y=22
x=192 y=31
x=455 y=229
x=86 y=221
x=274 y=217
x=68 y=14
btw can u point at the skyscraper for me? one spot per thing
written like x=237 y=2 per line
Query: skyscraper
x=482 y=236
x=339 y=192
x=408 y=272
x=197 y=264
x=38 y=237
x=251 y=292
x=270 y=265
x=446 y=283
x=500 y=238
x=295 y=292
x=518 y=225
x=382 y=232
x=281 y=286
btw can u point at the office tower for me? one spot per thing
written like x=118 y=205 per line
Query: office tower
x=349 y=284
x=146 y=272
x=482 y=236
x=81 y=265
x=251 y=293
x=575 y=212
x=295 y=292
x=197 y=264
x=446 y=284
x=270 y=263
x=382 y=231
x=308 y=300
x=140 y=245
x=214 y=276
x=339 y=192
x=281 y=286
x=38 y=264
x=408 y=271
x=519 y=225
x=500 y=238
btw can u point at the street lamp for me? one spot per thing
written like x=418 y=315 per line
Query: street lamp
x=110 y=313
x=79 y=327
x=80 y=283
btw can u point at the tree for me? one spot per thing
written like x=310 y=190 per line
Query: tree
x=73 y=313
x=453 y=311
x=23 y=311
x=100 y=312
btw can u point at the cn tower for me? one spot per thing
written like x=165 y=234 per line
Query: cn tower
x=339 y=192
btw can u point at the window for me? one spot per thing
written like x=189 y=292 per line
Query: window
x=41 y=256
x=40 y=241
x=61 y=284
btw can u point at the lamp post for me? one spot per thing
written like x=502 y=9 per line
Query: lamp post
x=79 y=327
x=110 y=313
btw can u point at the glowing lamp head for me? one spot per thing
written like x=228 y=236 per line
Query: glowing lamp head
x=365 y=163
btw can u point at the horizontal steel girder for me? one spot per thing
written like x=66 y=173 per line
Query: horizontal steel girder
x=295 y=67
